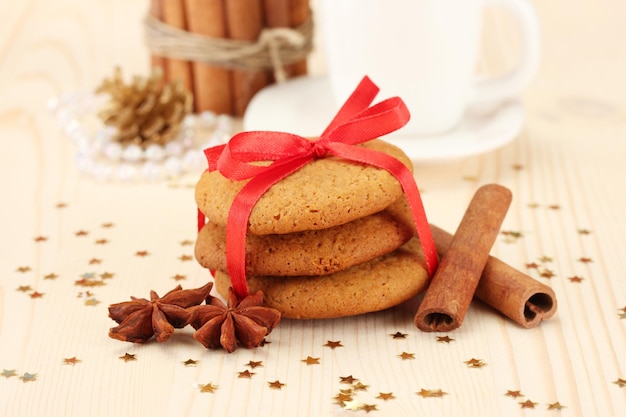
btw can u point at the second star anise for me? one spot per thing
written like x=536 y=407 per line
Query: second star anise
x=244 y=322
x=140 y=319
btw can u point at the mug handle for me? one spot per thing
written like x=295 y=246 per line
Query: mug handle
x=512 y=84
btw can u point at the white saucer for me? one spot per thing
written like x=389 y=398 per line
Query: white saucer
x=305 y=106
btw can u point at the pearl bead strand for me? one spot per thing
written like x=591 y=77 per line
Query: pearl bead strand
x=99 y=156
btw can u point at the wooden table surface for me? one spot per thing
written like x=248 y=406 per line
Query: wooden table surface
x=566 y=228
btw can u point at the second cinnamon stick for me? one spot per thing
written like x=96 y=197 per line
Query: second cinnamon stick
x=452 y=288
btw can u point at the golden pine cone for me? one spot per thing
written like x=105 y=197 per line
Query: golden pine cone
x=146 y=111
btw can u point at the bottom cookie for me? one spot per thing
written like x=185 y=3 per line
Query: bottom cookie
x=376 y=285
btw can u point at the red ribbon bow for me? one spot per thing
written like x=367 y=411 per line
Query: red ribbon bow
x=356 y=122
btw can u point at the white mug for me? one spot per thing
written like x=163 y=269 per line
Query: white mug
x=424 y=51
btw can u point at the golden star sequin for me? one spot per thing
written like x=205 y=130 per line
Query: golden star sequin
x=128 y=357
x=406 y=355
x=399 y=335
x=475 y=363
x=444 y=339
x=311 y=361
x=28 y=377
x=575 y=279
x=107 y=275
x=514 y=394
x=71 y=361
x=81 y=233
x=547 y=273
x=585 y=260
x=620 y=382
x=210 y=388
x=584 y=231
x=190 y=362
x=532 y=265
x=353 y=405
x=556 y=406
x=101 y=241
x=245 y=374
x=142 y=253
x=185 y=258
x=254 y=364
x=186 y=242
x=554 y=207
x=385 y=396
x=50 y=276
x=528 y=404
x=41 y=239
x=92 y=302
x=95 y=261
x=341 y=398
x=360 y=387
x=8 y=373
x=333 y=344
x=107 y=225
x=430 y=393
x=179 y=277
x=276 y=385
x=23 y=269
x=545 y=259
x=24 y=288
x=36 y=294
x=347 y=379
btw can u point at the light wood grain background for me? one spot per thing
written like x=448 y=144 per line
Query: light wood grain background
x=566 y=171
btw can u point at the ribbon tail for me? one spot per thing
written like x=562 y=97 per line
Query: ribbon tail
x=238 y=216
x=406 y=180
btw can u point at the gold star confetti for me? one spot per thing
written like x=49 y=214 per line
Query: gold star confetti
x=511 y=236
x=179 y=277
x=185 y=258
x=23 y=269
x=517 y=167
x=24 y=288
x=475 y=363
x=385 y=396
x=8 y=373
x=127 y=357
x=406 y=356
x=532 y=265
x=245 y=374
x=428 y=393
x=36 y=294
x=528 y=404
x=556 y=406
x=210 y=388
x=369 y=407
x=254 y=364
x=276 y=385
x=311 y=361
x=142 y=253
x=347 y=379
x=92 y=302
x=71 y=361
x=107 y=275
x=584 y=231
x=360 y=387
x=547 y=273
x=620 y=382
x=545 y=259
x=50 y=276
x=190 y=362
x=85 y=294
x=444 y=339
x=533 y=205
x=333 y=344
x=89 y=282
x=61 y=205
x=81 y=233
x=28 y=377
x=41 y=239
x=95 y=261
x=101 y=242
x=351 y=405
x=514 y=394
x=575 y=279
x=399 y=335
x=341 y=398
x=107 y=225
x=585 y=260
x=186 y=242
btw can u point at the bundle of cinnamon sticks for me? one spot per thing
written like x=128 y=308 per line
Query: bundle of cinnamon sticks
x=216 y=88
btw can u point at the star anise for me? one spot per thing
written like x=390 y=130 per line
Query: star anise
x=244 y=322
x=140 y=319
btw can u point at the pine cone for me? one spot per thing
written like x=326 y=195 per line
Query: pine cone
x=146 y=111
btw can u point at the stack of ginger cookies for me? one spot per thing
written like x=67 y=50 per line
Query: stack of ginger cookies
x=335 y=238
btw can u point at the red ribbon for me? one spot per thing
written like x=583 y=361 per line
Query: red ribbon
x=356 y=122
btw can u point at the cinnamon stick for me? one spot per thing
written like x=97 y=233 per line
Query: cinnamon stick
x=452 y=288
x=245 y=22
x=518 y=296
x=157 y=61
x=277 y=14
x=177 y=69
x=211 y=84
x=299 y=12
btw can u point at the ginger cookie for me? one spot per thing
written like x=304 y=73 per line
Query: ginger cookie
x=312 y=252
x=376 y=285
x=324 y=193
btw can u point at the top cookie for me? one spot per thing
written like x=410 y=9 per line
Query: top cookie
x=325 y=193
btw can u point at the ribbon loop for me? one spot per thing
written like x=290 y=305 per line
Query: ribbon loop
x=267 y=157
